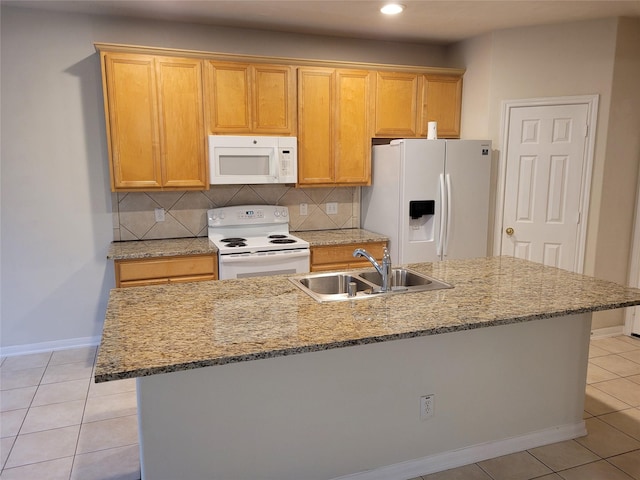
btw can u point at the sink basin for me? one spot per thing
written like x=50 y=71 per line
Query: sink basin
x=400 y=278
x=333 y=286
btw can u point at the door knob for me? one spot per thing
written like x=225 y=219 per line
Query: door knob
x=509 y=231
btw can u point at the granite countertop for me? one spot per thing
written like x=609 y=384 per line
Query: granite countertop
x=161 y=248
x=319 y=238
x=202 y=245
x=167 y=328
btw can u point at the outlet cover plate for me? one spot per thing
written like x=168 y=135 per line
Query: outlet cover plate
x=332 y=208
x=427 y=406
x=159 y=214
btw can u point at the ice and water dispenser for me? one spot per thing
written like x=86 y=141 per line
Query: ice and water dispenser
x=421 y=220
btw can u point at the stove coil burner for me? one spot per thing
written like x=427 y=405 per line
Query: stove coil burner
x=277 y=236
x=235 y=242
x=283 y=240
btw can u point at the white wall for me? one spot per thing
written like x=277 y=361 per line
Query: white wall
x=617 y=201
x=56 y=219
x=325 y=414
x=56 y=206
x=594 y=57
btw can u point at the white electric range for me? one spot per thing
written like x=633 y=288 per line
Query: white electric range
x=254 y=240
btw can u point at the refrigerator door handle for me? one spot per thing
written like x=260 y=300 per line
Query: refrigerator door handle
x=449 y=209
x=443 y=208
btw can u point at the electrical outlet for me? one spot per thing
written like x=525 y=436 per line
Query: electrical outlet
x=427 y=406
x=332 y=208
x=304 y=209
x=159 y=214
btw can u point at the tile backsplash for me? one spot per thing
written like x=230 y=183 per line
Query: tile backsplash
x=186 y=212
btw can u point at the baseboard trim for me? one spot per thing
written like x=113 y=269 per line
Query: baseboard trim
x=465 y=456
x=49 y=346
x=607 y=332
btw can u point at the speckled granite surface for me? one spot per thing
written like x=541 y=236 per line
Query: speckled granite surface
x=339 y=237
x=167 y=328
x=202 y=245
x=160 y=248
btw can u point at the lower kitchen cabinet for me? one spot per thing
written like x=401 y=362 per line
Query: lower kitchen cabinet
x=163 y=270
x=340 y=257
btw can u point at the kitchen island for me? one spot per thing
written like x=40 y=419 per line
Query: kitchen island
x=244 y=379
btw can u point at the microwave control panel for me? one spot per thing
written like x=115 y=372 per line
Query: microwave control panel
x=288 y=159
x=285 y=161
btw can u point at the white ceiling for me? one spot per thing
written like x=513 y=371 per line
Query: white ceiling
x=424 y=21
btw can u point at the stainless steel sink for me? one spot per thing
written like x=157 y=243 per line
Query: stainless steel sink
x=331 y=284
x=334 y=286
x=400 y=278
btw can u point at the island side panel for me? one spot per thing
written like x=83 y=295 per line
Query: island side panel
x=337 y=412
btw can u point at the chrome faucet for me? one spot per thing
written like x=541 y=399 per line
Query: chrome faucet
x=384 y=270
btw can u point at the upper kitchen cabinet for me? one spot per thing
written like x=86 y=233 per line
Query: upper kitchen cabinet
x=250 y=98
x=155 y=125
x=443 y=99
x=334 y=140
x=406 y=102
x=399 y=110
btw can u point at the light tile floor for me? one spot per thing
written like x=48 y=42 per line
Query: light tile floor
x=56 y=423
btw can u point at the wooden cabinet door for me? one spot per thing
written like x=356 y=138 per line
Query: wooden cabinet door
x=132 y=121
x=228 y=97
x=352 y=131
x=315 y=126
x=398 y=105
x=181 y=123
x=340 y=257
x=161 y=270
x=244 y=98
x=443 y=98
x=155 y=124
x=274 y=99
x=334 y=139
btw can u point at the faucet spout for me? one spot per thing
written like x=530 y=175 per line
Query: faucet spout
x=384 y=270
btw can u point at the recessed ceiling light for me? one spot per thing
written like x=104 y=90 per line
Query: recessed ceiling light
x=392 y=8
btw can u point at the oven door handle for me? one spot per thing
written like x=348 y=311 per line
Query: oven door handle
x=240 y=258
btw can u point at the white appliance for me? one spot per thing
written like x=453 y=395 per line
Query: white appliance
x=254 y=240
x=430 y=197
x=252 y=159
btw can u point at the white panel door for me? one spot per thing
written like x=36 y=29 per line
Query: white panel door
x=545 y=160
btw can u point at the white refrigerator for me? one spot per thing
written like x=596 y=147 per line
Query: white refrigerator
x=430 y=197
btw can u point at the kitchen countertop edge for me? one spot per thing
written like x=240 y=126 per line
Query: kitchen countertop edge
x=145 y=372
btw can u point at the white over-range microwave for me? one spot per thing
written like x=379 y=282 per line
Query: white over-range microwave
x=252 y=159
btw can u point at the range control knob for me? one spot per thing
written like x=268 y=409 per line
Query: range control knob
x=284 y=213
